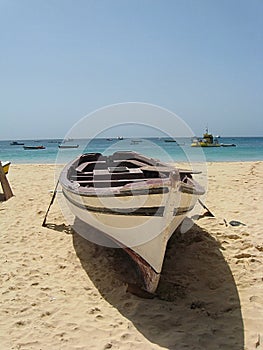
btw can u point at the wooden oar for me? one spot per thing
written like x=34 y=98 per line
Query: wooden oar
x=52 y=200
x=205 y=207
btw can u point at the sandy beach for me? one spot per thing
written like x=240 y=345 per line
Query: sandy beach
x=59 y=291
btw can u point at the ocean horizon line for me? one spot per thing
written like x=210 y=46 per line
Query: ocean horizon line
x=116 y=137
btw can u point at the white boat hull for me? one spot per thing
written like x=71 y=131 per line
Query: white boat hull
x=145 y=235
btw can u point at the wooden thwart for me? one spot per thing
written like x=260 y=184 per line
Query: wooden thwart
x=5 y=184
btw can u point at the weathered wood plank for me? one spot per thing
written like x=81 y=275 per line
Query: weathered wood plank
x=5 y=184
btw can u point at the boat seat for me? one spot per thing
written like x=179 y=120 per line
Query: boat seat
x=81 y=177
x=132 y=156
x=107 y=175
x=89 y=166
x=99 y=165
x=130 y=163
x=159 y=169
x=108 y=183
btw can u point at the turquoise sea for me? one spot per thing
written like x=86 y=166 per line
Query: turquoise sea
x=247 y=149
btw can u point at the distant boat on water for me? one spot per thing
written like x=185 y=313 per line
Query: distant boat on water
x=68 y=140
x=54 y=141
x=209 y=140
x=227 y=145
x=169 y=140
x=16 y=143
x=68 y=146
x=34 y=147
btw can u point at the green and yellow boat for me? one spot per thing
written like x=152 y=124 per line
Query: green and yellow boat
x=208 y=140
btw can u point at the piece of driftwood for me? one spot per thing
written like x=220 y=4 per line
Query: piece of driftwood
x=5 y=184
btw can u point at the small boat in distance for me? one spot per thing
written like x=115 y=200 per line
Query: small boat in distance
x=5 y=166
x=68 y=140
x=208 y=140
x=33 y=147
x=227 y=145
x=132 y=200
x=68 y=146
x=54 y=141
x=16 y=143
x=169 y=140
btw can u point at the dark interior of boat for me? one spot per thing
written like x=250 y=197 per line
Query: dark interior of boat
x=119 y=169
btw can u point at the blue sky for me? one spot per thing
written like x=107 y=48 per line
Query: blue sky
x=60 y=60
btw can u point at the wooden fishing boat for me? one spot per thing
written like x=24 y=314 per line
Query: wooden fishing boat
x=34 y=147
x=135 y=201
x=5 y=166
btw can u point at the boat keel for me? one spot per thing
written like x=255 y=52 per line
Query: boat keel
x=149 y=276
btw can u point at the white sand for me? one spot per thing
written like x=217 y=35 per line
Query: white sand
x=59 y=291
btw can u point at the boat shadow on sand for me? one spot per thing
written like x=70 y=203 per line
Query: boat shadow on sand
x=197 y=304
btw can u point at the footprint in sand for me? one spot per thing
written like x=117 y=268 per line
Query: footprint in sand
x=233 y=236
x=94 y=310
x=255 y=299
x=243 y=255
x=125 y=336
